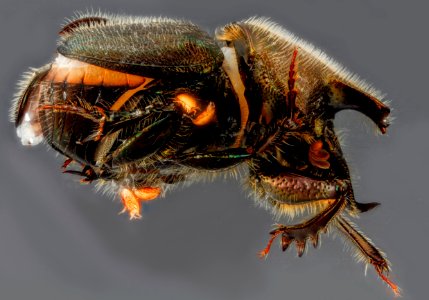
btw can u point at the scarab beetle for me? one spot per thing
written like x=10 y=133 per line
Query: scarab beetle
x=146 y=104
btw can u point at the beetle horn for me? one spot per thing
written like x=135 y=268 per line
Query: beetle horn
x=344 y=96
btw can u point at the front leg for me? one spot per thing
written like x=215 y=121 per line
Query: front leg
x=307 y=230
x=298 y=193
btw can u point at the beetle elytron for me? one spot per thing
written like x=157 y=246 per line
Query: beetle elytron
x=146 y=104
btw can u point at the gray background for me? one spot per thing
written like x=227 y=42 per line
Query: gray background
x=60 y=240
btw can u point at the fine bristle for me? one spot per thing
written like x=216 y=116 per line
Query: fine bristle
x=114 y=20
x=315 y=56
x=22 y=85
x=364 y=250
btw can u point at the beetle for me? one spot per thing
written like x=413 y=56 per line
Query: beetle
x=146 y=104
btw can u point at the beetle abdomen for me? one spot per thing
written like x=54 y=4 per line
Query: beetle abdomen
x=71 y=71
x=69 y=99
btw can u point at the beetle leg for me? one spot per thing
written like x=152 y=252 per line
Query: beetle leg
x=101 y=123
x=307 y=230
x=292 y=194
x=66 y=163
x=369 y=252
x=214 y=159
x=87 y=172
x=146 y=141
x=132 y=198
x=95 y=114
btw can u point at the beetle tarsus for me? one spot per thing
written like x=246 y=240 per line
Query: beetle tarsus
x=370 y=253
x=263 y=253
x=66 y=163
x=87 y=172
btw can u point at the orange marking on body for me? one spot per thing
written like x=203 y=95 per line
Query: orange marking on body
x=322 y=155
x=74 y=71
x=93 y=76
x=188 y=103
x=320 y=164
x=131 y=199
x=131 y=204
x=207 y=116
x=147 y=193
x=114 y=78
x=318 y=156
x=135 y=80
x=316 y=146
x=74 y=76
x=128 y=94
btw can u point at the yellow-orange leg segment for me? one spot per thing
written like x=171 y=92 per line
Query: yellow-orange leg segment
x=132 y=198
x=191 y=107
x=207 y=116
